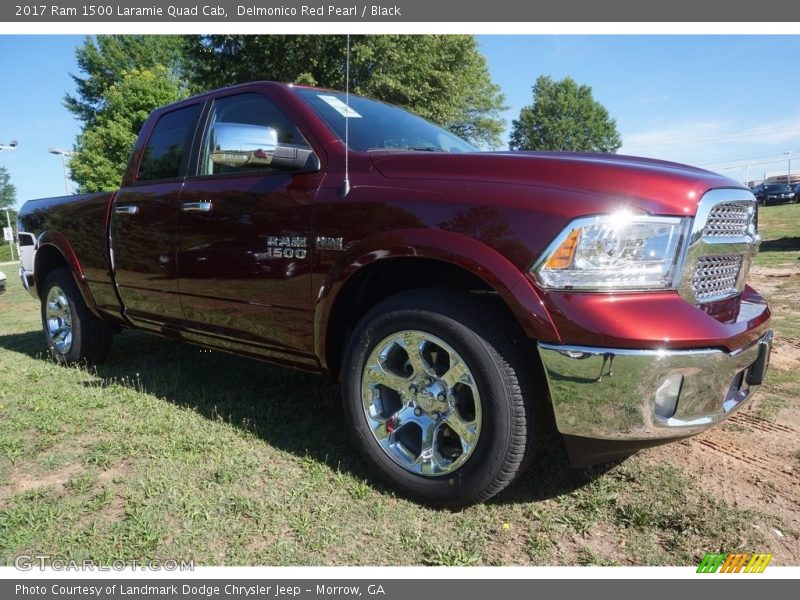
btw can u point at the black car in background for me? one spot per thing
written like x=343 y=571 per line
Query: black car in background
x=796 y=189
x=774 y=193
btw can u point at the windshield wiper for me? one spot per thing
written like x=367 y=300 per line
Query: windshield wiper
x=412 y=148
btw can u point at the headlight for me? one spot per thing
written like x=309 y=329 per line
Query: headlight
x=614 y=252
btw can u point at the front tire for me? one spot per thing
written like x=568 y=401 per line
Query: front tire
x=434 y=386
x=72 y=333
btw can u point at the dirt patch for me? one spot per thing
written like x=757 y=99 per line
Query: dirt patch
x=785 y=353
x=24 y=483
x=114 y=473
x=767 y=280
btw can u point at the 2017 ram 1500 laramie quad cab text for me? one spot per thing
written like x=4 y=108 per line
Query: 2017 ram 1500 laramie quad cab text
x=459 y=296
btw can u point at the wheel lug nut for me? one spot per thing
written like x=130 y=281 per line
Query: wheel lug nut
x=428 y=381
x=437 y=415
x=418 y=411
x=441 y=397
x=412 y=388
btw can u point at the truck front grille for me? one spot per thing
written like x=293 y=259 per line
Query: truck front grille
x=729 y=219
x=722 y=242
x=716 y=277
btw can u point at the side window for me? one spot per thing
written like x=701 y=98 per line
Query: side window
x=242 y=134
x=169 y=140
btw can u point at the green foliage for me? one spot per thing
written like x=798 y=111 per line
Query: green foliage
x=443 y=78
x=8 y=191
x=564 y=116
x=102 y=149
x=106 y=58
x=5 y=249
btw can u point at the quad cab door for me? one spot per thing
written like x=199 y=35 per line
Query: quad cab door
x=244 y=231
x=144 y=221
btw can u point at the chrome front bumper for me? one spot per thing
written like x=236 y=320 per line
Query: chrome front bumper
x=619 y=394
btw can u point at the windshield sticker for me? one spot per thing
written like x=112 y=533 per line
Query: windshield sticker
x=339 y=106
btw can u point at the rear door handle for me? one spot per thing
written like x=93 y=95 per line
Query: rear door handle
x=126 y=210
x=203 y=206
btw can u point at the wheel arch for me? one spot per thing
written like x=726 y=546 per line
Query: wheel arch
x=418 y=259
x=53 y=251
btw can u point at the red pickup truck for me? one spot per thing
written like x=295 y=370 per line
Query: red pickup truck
x=459 y=296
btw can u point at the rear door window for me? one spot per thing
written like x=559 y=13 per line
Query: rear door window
x=168 y=144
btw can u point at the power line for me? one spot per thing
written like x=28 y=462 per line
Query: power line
x=690 y=139
x=723 y=161
x=758 y=164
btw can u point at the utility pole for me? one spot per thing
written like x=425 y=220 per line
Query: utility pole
x=11 y=241
x=746 y=169
x=789 y=167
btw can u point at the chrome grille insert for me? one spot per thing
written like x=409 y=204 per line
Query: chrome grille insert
x=729 y=219
x=721 y=244
x=716 y=277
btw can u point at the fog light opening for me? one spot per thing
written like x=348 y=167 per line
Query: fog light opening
x=667 y=396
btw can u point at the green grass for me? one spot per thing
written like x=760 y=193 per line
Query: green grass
x=779 y=227
x=170 y=452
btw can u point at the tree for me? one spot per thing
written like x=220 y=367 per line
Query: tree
x=102 y=149
x=106 y=58
x=8 y=191
x=564 y=116
x=443 y=78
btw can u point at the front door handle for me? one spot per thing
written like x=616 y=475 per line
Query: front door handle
x=203 y=206
x=126 y=210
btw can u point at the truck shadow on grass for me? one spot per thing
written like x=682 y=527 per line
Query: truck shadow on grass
x=293 y=411
x=784 y=244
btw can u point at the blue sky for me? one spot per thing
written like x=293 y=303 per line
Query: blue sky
x=716 y=101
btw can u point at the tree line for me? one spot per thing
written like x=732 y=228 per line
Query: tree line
x=443 y=78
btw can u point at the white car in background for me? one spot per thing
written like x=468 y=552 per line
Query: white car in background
x=2 y=282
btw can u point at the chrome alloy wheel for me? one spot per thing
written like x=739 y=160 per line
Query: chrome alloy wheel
x=59 y=320
x=421 y=403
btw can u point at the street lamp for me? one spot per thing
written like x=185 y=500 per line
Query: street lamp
x=12 y=145
x=789 y=167
x=64 y=155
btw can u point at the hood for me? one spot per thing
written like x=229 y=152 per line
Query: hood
x=657 y=187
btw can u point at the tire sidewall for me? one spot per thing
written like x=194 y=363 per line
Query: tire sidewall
x=63 y=279
x=487 y=460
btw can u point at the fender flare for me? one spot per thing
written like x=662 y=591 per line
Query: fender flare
x=475 y=257
x=60 y=243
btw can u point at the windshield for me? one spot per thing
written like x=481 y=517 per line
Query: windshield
x=376 y=126
x=776 y=187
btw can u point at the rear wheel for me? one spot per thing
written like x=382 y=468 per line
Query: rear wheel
x=73 y=334
x=433 y=387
